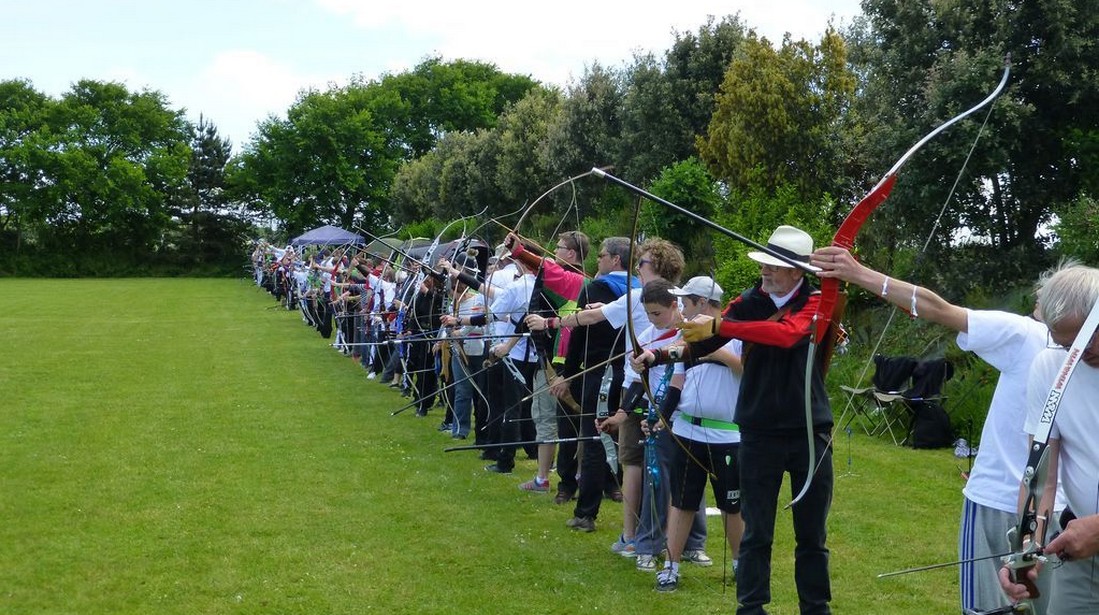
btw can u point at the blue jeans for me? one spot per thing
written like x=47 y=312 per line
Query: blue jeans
x=653 y=516
x=463 y=391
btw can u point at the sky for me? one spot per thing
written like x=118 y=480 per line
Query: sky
x=236 y=62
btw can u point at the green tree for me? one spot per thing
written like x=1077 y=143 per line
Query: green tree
x=668 y=103
x=689 y=185
x=778 y=116
x=522 y=163
x=444 y=97
x=335 y=156
x=24 y=135
x=118 y=155
x=925 y=62
x=584 y=134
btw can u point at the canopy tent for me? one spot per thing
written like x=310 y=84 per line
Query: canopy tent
x=328 y=236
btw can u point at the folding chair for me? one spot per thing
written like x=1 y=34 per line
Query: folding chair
x=875 y=406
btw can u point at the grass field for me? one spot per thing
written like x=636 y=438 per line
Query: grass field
x=174 y=446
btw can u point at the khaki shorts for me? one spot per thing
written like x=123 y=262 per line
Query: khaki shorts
x=631 y=441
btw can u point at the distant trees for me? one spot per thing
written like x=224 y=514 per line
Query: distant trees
x=334 y=157
x=750 y=133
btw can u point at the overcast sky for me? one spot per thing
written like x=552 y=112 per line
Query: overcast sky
x=238 y=61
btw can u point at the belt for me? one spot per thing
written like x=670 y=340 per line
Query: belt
x=710 y=423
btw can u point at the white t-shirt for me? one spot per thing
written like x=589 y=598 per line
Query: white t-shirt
x=1076 y=426
x=500 y=279
x=710 y=392
x=508 y=306
x=650 y=339
x=616 y=314
x=1008 y=342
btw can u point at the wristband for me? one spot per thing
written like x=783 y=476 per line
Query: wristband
x=885 y=287
x=553 y=323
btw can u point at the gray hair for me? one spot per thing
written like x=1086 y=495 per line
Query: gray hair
x=1069 y=290
x=620 y=247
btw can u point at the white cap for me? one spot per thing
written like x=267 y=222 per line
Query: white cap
x=700 y=286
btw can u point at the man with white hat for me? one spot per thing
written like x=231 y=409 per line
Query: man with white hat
x=773 y=319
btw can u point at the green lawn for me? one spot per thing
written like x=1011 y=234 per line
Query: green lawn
x=174 y=446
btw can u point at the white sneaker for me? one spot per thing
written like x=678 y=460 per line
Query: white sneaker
x=698 y=557
x=646 y=563
x=371 y=376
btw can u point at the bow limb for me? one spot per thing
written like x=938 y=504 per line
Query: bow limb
x=530 y=208
x=845 y=234
x=822 y=326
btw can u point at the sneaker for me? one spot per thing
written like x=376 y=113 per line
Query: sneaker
x=492 y=467
x=444 y=426
x=371 y=376
x=581 y=524
x=614 y=494
x=698 y=557
x=534 y=486
x=667 y=580
x=624 y=547
x=563 y=495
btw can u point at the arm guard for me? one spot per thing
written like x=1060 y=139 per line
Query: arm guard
x=670 y=403
x=632 y=399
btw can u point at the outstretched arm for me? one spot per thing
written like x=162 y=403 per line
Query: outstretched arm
x=836 y=262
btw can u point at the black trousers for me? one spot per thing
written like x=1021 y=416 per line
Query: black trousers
x=594 y=472
x=512 y=409
x=763 y=460
x=568 y=466
x=425 y=385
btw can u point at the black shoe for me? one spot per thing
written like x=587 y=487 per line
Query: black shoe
x=421 y=413
x=459 y=436
x=445 y=426
x=492 y=467
x=488 y=455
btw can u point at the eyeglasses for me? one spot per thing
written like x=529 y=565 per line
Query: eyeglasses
x=641 y=263
x=1050 y=343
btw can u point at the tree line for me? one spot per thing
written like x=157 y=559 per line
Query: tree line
x=747 y=131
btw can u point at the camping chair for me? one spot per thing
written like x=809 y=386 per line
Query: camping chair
x=877 y=406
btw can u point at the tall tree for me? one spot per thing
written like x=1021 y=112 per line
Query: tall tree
x=334 y=158
x=778 y=116
x=452 y=96
x=926 y=61
x=117 y=157
x=668 y=103
x=24 y=135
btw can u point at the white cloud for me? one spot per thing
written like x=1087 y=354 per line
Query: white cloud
x=241 y=87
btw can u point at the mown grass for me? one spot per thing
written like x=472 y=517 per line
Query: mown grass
x=174 y=446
